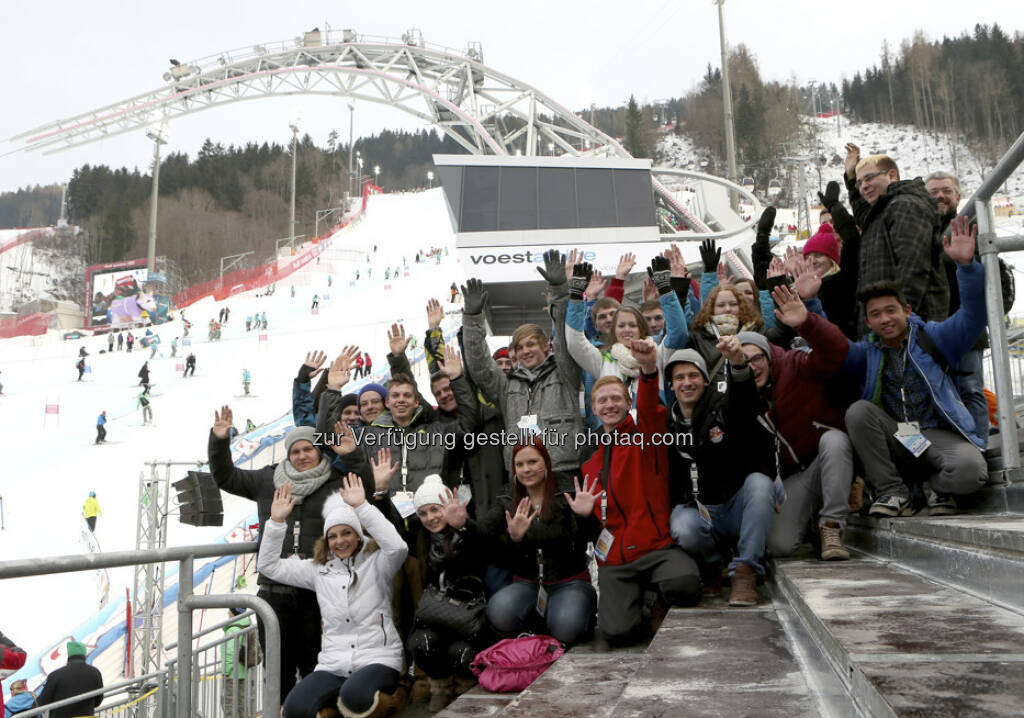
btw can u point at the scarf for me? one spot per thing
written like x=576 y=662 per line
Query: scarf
x=727 y=324
x=628 y=366
x=303 y=482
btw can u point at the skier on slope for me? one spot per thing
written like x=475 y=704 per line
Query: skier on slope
x=246 y=379
x=90 y=510
x=190 y=365
x=147 y=410
x=101 y=428
x=144 y=377
x=81 y=368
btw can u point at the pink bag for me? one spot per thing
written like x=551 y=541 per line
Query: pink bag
x=514 y=663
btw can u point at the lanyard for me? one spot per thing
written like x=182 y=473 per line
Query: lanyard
x=405 y=466
x=296 y=532
x=604 y=508
x=903 y=381
x=694 y=475
x=540 y=566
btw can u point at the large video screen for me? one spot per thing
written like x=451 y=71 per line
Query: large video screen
x=117 y=298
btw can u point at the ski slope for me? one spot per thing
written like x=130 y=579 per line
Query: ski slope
x=52 y=462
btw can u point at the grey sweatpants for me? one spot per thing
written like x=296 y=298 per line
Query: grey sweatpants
x=955 y=465
x=824 y=486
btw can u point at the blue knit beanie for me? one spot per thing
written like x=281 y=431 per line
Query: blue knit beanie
x=373 y=387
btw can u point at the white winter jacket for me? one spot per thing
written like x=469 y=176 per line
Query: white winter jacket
x=358 y=628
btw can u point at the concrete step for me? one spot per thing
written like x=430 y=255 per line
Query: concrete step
x=907 y=646
x=983 y=555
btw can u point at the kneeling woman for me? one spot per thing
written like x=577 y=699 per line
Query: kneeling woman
x=361 y=652
x=546 y=548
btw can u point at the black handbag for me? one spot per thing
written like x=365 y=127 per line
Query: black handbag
x=460 y=608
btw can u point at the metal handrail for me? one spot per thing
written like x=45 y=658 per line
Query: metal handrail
x=41 y=710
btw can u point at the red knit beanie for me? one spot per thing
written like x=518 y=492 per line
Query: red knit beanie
x=824 y=242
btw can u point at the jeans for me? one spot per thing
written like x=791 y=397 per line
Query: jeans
x=570 y=609
x=746 y=518
x=954 y=464
x=321 y=689
x=972 y=390
x=495 y=578
x=825 y=484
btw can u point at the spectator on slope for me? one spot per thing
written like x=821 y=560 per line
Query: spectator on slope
x=814 y=461
x=359 y=367
x=248 y=322
x=90 y=510
x=174 y=347
x=450 y=563
x=82 y=352
x=263 y=320
x=308 y=473
x=945 y=188
x=130 y=341
x=11 y=659
x=110 y=342
x=80 y=365
x=154 y=346
x=101 y=427
x=351 y=584
x=70 y=680
x=720 y=493
x=725 y=312
x=190 y=365
x=120 y=340
x=246 y=380
x=542 y=392
x=900 y=233
x=911 y=421
x=367 y=365
x=144 y=377
x=630 y=497
x=545 y=543
x=316 y=302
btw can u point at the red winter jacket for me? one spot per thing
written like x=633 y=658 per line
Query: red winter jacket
x=635 y=479
x=11 y=659
x=802 y=409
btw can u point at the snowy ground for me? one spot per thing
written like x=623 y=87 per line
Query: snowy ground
x=51 y=466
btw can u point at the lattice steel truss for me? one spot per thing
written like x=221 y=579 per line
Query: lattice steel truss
x=485 y=111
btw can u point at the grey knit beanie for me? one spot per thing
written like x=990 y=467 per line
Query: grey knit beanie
x=299 y=433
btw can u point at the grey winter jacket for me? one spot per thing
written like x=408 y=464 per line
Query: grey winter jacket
x=553 y=395
x=900 y=242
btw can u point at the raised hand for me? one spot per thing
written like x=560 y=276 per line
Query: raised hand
x=344 y=439
x=831 y=195
x=579 y=279
x=710 y=255
x=341 y=369
x=661 y=274
x=282 y=505
x=474 y=297
x=352 y=491
x=222 y=422
x=583 y=502
x=649 y=291
x=852 y=158
x=646 y=354
x=808 y=281
x=731 y=349
x=791 y=310
x=312 y=366
x=766 y=223
x=435 y=313
x=722 y=272
x=596 y=287
x=397 y=339
x=962 y=239
x=677 y=265
x=555 y=271
x=452 y=362
x=792 y=259
x=454 y=510
x=625 y=265
x=518 y=524
x=775 y=268
x=383 y=469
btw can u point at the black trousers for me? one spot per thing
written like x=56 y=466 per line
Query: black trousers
x=101 y=433
x=91 y=520
x=299 y=615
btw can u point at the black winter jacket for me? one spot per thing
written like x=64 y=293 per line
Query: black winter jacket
x=71 y=680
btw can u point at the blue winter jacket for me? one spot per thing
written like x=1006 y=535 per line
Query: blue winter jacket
x=954 y=337
x=304 y=414
x=101 y=420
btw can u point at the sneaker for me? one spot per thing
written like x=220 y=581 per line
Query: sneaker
x=891 y=506
x=940 y=504
x=832 y=548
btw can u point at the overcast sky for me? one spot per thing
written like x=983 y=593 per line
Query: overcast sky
x=63 y=58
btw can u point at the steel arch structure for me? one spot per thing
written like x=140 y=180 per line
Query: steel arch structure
x=483 y=110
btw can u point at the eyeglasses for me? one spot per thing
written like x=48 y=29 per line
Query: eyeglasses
x=868 y=178
x=759 y=359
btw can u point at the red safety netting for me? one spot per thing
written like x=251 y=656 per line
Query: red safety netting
x=28 y=325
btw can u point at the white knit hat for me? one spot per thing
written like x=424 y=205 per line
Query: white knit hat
x=338 y=513
x=431 y=491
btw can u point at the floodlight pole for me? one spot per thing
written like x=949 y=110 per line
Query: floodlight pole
x=291 y=214
x=351 y=143
x=158 y=140
x=730 y=131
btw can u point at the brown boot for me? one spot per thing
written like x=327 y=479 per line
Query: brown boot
x=441 y=693
x=744 y=586
x=832 y=548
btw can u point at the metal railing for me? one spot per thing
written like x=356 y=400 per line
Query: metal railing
x=173 y=697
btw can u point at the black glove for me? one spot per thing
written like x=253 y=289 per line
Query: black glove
x=554 y=268
x=831 y=195
x=581 y=274
x=474 y=296
x=767 y=222
x=710 y=255
x=304 y=374
x=661 y=274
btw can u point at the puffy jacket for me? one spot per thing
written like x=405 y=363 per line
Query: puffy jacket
x=800 y=407
x=901 y=243
x=728 y=442
x=101 y=420
x=258 y=486
x=230 y=666
x=91 y=507
x=354 y=594
x=11 y=659
x=19 y=703
x=551 y=391
x=75 y=678
x=953 y=337
x=635 y=478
